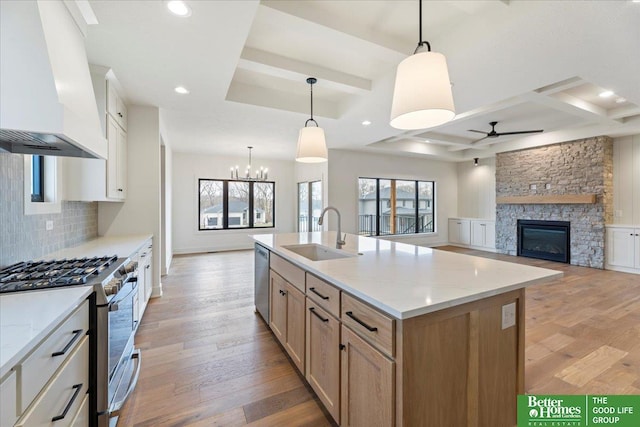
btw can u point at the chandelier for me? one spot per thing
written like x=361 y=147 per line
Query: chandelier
x=261 y=174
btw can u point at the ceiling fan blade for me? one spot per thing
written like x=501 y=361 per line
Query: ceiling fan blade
x=520 y=132
x=478 y=131
x=478 y=140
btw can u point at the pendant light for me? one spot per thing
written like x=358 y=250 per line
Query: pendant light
x=312 y=147
x=422 y=95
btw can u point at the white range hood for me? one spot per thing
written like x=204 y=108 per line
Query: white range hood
x=47 y=103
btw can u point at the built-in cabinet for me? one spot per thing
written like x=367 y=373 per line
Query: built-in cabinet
x=369 y=369
x=51 y=384
x=473 y=233
x=102 y=180
x=144 y=258
x=623 y=249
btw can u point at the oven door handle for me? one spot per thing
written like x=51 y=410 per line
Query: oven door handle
x=116 y=407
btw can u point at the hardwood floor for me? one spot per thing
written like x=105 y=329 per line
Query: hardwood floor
x=209 y=360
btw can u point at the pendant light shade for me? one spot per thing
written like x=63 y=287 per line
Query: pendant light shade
x=312 y=147
x=422 y=95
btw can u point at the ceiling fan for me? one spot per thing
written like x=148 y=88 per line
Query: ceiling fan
x=494 y=134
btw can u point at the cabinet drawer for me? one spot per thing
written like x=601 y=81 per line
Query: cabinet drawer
x=8 y=403
x=324 y=294
x=288 y=271
x=64 y=394
x=369 y=323
x=42 y=363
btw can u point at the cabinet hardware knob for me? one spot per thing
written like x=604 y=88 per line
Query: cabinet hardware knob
x=313 y=310
x=319 y=294
x=342 y=346
x=369 y=328
x=120 y=189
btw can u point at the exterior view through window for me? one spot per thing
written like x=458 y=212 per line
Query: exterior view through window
x=229 y=204
x=394 y=206
x=309 y=205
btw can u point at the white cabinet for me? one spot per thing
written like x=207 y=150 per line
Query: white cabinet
x=145 y=282
x=50 y=386
x=8 y=400
x=117 y=162
x=483 y=234
x=115 y=105
x=459 y=231
x=102 y=180
x=623 y=249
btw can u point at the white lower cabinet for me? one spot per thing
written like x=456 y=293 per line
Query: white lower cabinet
x=622 y=252
x=50 y=386
x=483 y=234
x=8 y=400
x=459 y=231
x=472 y=232
x=145 y=276
x=58 y=404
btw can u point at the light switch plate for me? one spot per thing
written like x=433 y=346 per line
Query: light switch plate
x=49 y=225
x=508 y=315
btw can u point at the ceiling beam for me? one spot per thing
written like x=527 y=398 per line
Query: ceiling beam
x=623 y=112
x=571 y=105
x=291 y=69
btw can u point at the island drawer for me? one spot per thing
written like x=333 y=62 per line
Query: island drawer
x=48 y=357
x=288 y=271
x=324 y=294
x=369 y=323
x=8 y=403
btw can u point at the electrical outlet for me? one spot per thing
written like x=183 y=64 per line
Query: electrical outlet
x=533 y=186
x=508 y=315
x=49 y=225
x=547 y=186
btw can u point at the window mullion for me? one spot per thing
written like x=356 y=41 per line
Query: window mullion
x=417 y=203
x=250 y=213
x=225 y=204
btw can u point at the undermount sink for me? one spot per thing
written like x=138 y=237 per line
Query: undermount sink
x=316 y=252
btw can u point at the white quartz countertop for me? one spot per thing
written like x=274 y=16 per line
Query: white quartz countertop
x=28 y=317
x=404 y=280
x=122 y=246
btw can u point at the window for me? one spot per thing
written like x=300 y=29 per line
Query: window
x=309 y=205
x=37 y=179
x=393 y=206
x=231 y=204
x=41 y=178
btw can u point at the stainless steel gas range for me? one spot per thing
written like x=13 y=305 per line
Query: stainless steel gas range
x=115 y=363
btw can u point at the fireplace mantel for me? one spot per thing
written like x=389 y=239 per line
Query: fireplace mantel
x=547 y=199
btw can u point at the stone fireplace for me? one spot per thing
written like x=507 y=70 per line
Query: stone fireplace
x=570 y=182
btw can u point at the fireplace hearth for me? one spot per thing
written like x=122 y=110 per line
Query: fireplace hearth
x=549 y=240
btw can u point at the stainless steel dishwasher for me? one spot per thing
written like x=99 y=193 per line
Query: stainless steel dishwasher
x=261 y=281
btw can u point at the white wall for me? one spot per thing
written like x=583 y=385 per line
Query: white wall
x=345 y=167
x=166 y=199
x=188 y=168
x=477 y=189
x=140 y=213
x=626 y=180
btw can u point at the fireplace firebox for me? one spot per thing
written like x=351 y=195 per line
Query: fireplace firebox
x=548 y=240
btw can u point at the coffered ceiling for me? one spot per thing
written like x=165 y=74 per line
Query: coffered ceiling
x=524 y=64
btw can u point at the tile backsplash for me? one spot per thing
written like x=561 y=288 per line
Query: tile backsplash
x=24 y=237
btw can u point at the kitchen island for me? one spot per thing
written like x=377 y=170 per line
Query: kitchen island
x=388 y=333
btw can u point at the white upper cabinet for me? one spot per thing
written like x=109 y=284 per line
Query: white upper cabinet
x=102 y=180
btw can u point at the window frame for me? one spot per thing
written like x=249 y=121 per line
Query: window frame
x=309 y=185
x=37 y=179
x=225 y=203
x=416 y=207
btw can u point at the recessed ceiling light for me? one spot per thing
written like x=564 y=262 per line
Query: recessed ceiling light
x=181 y=90
x=606 y=94
x=366 y=122
x=179 y=8
x=426 y=140
x=621 y=100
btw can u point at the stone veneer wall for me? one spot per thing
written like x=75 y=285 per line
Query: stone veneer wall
x=24 y=237
x=575 y=167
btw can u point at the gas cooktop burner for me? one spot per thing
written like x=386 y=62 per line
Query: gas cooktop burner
x=51 y=274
